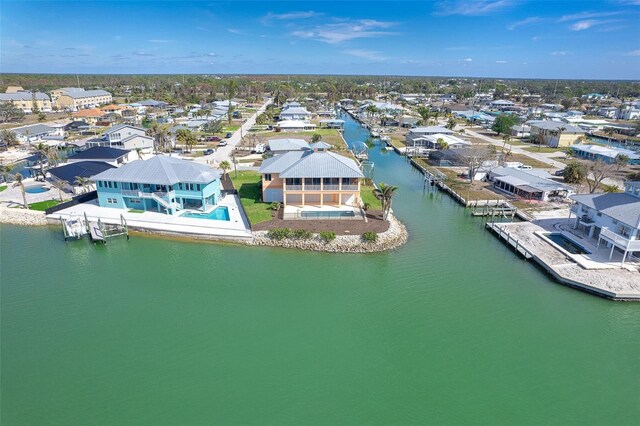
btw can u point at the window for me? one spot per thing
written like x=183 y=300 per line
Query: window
x=109 y=184
x=100 y=183
x=267 y=177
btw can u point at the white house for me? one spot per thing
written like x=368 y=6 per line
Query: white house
x=419 y=132
x=124 y=136
x=528 y=184
x=612 y=218
x=294 y=126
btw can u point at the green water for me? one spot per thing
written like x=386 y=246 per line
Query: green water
x=452 y=328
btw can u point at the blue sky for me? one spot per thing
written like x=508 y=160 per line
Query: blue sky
x=486 y=38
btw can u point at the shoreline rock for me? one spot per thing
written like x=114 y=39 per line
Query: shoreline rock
x=23 y=217
x=391 y=239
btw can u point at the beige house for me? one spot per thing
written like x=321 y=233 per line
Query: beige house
x=555 y=133
x=75 y=98
x=311 y=178
x=25 y=100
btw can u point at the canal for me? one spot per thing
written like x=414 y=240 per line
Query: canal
x=452 y=328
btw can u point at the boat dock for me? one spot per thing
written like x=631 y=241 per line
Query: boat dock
x=76 y=227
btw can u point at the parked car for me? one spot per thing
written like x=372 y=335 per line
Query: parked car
x=212 y=139
x=222 y=143
x=559 y=172
x=209 y=151
x=229 y=134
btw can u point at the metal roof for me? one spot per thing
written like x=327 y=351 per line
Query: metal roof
x=100 y=153
x=620 y=206
x=23 y=96
x=77 y=93
x=320 y=145
x=310 y=164
x=431 y=130
x=34 y=130
x=161 y=170
x=85 y=169
x=521 y=177
x=287 y=144
x=555 y=125
x=120 y=127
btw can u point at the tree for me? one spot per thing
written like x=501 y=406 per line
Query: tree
x=503 y=123
x=575 y=172
x=385 y=194
x=505 y=140
x=9 y=112
x=622 y=160
x=84 y=183
x=42 y=117
x=46 y=154
x=442 y=144
x=316 y=137
x=160 y=137
x=8 y=138
x=186 y=138
x=451 y=123
x=569 y=152
x=476 y=156
x=225 y=167
x=214 y=126
x=609 y=131
x=18 y=183
x=60 y=185
x=425 y=113
x=139 y=153
x=598 y=171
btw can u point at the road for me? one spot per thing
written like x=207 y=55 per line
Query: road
x=224 y=152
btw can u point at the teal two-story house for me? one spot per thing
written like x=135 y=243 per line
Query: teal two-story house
x=160 y=184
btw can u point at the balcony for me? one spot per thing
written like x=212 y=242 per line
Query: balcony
x=312 y=187
x=349 y=187
x=586 y=221
x=620 y=241
x=293 y=187
x=331 y=187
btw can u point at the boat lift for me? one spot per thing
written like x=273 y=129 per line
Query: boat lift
x=76 y=227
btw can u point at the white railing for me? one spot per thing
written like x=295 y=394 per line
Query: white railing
x=349 y=187
x=312 y=187
x=619 y=240
x=293 y=187
x=331 y=187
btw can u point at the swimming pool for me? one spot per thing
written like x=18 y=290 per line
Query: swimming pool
x=35 y=189
x=219 y=213
x=327 y=214
x=567 y=243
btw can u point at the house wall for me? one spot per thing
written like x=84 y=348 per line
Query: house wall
x=601 y=221
x=65 y=101
x=27 y=105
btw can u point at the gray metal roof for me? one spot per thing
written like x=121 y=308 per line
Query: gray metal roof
x=161 y=170
x=23 y=96
x=34 y=130
x=118 y=127
x=85 y=169
x=310 y=164
x=287 y=144
x=431 y=130
x=620 y=206
x=520 y=177
x=74 y=93
x=555 y=125
x=320 y=145
x=295 y=111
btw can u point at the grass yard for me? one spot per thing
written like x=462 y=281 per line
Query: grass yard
x=467 y=190
x=135 y=211
x=43 y=205
x=3 y=188
x=366 y=193
x=248 y=184
x=529 y=161
x=545 y=149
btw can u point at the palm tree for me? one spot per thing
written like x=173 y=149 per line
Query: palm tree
x=442 y=144
x=187 y=138
x=160 y=137
x=385 y=194
x=225 y=167
x=139 y=153
x=18 y=183
x=60 y=185
x=506 y=139
x=451 y=123
x=83 y=182
x=609 y=131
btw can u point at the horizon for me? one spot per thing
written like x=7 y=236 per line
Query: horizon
x=492 y=39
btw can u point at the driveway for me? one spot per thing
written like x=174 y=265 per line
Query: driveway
x=224 y=153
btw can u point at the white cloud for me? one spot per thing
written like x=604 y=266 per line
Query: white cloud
x=559 y=53
x=346 y=30
x=527 y=21
x=234 y=31
x=633 y=53
x=161 y=41
x=290 y=16
x=588 y=23
x=535 y=38
x=470 y=8
x=501 y=62
x=371 y=55
x=468 y=60
x=586 y=15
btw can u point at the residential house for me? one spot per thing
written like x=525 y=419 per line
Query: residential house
x=76 y=98
x=35 y=133
x=77 y=126
x=500 y=103
x=419 y=132
x=124 y=136
x=162 y=184
x=280 y=146
x=25 y=100
x=331 y=123
x=295 y=113
x=521 y=131
x=434 y=142
x=69 y=173
x=294 y=126
x=311 y=178
x=604 y=153
x=91 y=116
x=611 y=218
x=555 y=133
x=106 y=154
x=528 y=184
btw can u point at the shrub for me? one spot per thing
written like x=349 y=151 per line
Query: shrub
x=279 y=233
x=275 y=206
x=300 y=234
x=366 y=206
x=327 y=236
x=369 y=237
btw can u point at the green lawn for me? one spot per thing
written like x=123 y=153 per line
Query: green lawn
x=3 y=187
x=366 y=193
x=530 y=161
x=249 y=189
x=545 y=149
x=43 y=205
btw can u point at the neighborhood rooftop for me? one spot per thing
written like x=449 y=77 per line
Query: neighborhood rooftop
x=309 y=164
x=100 y=152
x=619 y=206
x=161 y=170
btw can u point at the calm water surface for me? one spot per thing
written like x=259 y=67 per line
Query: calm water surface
x=452 y=328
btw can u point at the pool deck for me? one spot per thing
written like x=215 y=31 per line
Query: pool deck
x=236 y=228
x=593 y=273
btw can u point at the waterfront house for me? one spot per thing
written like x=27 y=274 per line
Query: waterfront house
x=555 y=133
x=418 y=132
x=604 y=153
x=295 y=113
x=124 y=136
x=528 y=184
x=69 y=173
x=163 y=184
x=294 y=126
x=34 y=133
x=280 y=146
x=437 y=140
x=612 y=218
x=106 y=154
x=311 y=178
